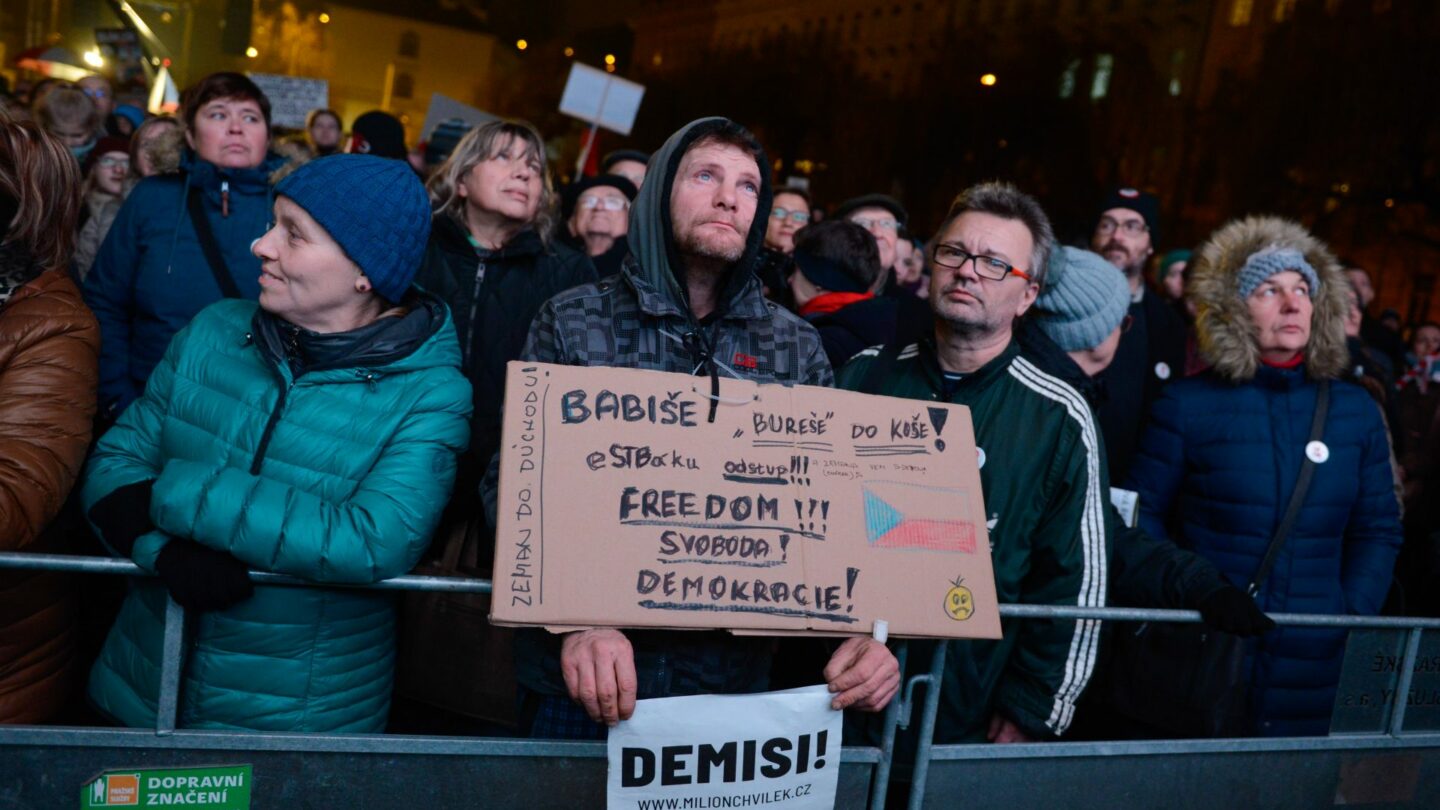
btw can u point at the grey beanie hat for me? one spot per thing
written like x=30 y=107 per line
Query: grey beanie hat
x=1085 y=299
x=1263 y=264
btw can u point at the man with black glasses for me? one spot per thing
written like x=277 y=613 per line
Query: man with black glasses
x=1041 y=468
x=1152 y=352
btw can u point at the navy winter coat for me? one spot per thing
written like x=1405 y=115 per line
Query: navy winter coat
x=150 y=276
x=1215 y=471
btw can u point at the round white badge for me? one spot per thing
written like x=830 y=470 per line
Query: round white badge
x=980 y=453
x=1162 y=370
x=1317 y=452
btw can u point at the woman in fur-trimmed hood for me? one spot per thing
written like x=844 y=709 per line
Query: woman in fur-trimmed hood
x=1222 y=318
x=1223 y=452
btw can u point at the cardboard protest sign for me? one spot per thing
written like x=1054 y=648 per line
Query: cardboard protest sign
x=780 y=749
x=291 y=97
x=796 y=509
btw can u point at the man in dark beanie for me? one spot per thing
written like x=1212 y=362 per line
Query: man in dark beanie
x=630 y=164
x=1153 y=351
x=380 y=134
x=597 y=217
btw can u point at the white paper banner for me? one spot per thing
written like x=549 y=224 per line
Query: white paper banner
x=597 y=97
x=778 y=750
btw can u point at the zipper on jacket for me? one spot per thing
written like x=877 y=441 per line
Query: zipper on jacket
x=474 y=311
x=270 y=428
x=224 y=198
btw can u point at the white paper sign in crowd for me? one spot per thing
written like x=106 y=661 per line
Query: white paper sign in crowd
x=777 y=750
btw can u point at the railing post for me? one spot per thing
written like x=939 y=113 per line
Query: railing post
x=880 y=785
x=927 y=726
x=170 y=665
x=1402 y=685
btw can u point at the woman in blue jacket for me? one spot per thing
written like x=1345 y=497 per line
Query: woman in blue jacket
x=153 y=272
x=1223 y=450
x=313 y=435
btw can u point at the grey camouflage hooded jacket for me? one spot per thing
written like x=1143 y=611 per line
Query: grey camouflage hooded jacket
x=642 y=319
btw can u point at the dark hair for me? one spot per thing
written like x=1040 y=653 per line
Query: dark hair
x=1008 y=202
x=853 y=250
x=222 y=85
x=729 y=133
x=44 y=180
x=798 y=192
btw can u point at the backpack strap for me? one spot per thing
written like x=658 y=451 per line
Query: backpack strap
x=1297 y=497
x=205 y=235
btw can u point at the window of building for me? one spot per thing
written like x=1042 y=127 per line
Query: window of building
x=410 y=45
x=1100 y=84
x=1067 y=78
x=404 y=86
x=1240 y=11
x=1177 y=66
x=1284 y=10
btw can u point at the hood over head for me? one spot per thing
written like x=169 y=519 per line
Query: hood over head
x=1222 y=317
x=652 y=238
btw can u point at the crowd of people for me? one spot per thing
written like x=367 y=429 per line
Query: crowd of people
x=223 y=350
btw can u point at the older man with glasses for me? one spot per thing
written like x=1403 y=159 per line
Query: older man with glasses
x=598 y=219
x=1152 y=352
x=1040 y=467
x=882 y=216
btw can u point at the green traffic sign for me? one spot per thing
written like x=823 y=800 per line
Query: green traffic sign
x=220 y=787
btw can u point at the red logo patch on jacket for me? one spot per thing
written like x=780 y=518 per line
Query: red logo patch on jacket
x=746 y=361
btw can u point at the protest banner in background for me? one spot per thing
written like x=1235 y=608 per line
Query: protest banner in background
x=601 y=99
x=444 y=108
x=120 y=48
x=779 y=750
x=797 y=509
x=291 y=97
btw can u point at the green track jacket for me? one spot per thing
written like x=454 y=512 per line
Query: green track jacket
x=1042 y=469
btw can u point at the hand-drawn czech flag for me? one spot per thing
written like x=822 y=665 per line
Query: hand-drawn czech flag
x=900 y=515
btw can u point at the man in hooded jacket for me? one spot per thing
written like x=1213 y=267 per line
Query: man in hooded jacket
x=683 y=302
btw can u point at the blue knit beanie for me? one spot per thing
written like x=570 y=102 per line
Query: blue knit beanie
x=1263 y=264
x=1085 y=299
x=375 y=208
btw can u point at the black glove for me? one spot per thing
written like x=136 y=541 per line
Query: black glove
x=124 y=515
x=201 y=578
x=1231 y=610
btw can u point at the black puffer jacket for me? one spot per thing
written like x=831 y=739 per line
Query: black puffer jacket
x=493 y=295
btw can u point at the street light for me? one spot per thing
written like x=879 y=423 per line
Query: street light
x=988 y=80
x=521 y=44
x=251 y=52
x=569 y=52
x=609 y=58
x=93 y=59
x=324 y=18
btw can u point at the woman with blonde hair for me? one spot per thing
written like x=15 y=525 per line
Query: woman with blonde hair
x=492 y=259
x=49 y=343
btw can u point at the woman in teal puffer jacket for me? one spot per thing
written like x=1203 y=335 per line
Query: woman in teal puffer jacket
x=314 y=435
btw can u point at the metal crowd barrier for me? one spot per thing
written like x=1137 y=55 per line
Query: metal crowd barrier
x=44 y=766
